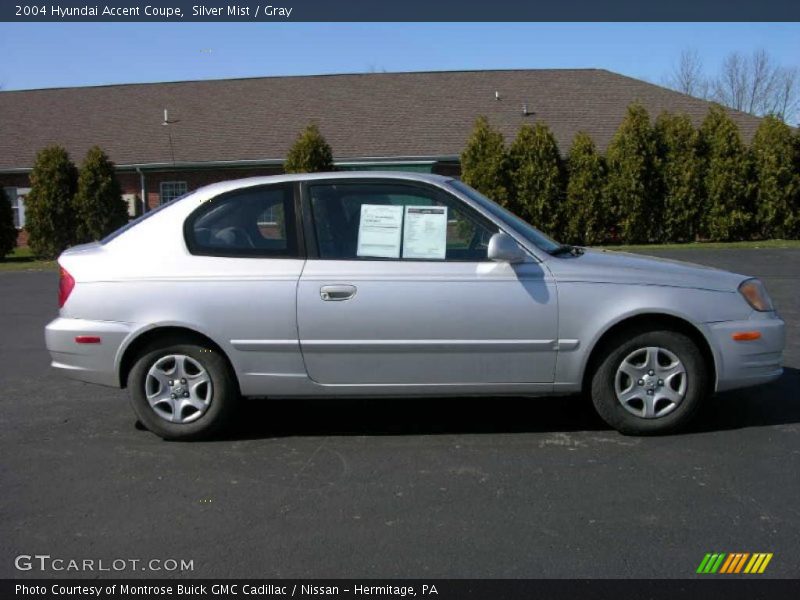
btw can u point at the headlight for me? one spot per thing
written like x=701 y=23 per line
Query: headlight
x=756 y=295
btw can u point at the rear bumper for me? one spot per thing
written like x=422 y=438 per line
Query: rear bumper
x=92 y=363
x=745 y=363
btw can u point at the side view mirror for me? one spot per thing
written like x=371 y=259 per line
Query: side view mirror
x=503 y=248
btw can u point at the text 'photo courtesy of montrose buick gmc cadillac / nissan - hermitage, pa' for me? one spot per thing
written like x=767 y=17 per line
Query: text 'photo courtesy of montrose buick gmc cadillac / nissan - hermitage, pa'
x=393 y=284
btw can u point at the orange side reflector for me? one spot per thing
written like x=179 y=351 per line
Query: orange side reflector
x=746 y=336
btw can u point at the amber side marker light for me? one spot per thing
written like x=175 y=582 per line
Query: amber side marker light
x=746 y=336
x=87 y=339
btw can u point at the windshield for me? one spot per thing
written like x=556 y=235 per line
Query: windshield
x=526 y=230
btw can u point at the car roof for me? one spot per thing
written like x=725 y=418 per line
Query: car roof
x=233 y=184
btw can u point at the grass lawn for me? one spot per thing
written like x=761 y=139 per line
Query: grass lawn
x=22 y=260
x=764 y=244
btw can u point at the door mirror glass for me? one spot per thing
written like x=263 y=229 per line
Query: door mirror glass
x=503 y=248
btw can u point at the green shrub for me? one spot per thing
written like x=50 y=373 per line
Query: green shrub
x=728 y=182
x=537 y=175
x=99 y=207
x=8 y=233
x=632 y=186
x=50 y=218
x=777 y=180
x=587 y=213
x=681 y=172
x=484 y=163
x=310 y=153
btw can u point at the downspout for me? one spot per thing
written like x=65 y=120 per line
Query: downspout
x=144 y=189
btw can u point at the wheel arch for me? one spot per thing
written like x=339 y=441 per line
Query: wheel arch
x=649 y=321
x=146 y=337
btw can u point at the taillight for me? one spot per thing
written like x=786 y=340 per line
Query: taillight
x=66 y=283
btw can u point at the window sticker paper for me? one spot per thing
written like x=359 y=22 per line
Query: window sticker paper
x=379 y=231
x=425 y=232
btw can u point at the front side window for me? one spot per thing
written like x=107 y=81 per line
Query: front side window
x=170 y=190
x=251 y=222
x=368 y=221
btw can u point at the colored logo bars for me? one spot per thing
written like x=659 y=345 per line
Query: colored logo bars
x=737 y=562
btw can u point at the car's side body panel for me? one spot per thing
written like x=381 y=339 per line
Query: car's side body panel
x=609 y=307
x=428 y=323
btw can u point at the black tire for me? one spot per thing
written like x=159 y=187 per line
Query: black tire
x=223 y=396
x=604 y=396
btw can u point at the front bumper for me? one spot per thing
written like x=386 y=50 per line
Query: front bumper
x=745 y=363
x=92 y=363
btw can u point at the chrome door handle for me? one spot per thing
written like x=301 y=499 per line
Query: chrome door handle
x=337 y=292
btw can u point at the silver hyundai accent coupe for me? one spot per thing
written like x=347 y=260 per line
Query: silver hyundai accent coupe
x=393 y=284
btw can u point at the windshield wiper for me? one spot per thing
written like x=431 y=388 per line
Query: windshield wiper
x=566 y=249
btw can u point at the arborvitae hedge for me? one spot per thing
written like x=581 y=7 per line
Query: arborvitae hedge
x=777 y=180
x=728 y=179
x=681 y=173
x=99 y=208
x=670 y=182
x=632 y=186
x=50 y=218
x=588 y=219
x=310 y=153
x=8 y=233
x=537 y=176
x=484 y=163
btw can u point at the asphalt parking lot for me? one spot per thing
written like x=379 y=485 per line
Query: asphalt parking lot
x=504 y=488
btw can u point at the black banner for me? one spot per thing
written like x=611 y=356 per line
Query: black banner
x=440 y=589
x=261 y=11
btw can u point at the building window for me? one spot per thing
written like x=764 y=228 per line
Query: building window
x=16 y=196
x=271 y=215
x=171 y=190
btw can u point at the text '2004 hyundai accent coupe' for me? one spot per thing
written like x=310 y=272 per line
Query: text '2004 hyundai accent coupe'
x=393 y=284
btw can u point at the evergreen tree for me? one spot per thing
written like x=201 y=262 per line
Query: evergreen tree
x=50 y=218
x=537 y=173
x=99 y=208
x=632 y=187
x=777 y=179
x=484 y=164
x=587 y=214
x=310 y=153
x=681 y=177
x=728 y=181
x=8 y=233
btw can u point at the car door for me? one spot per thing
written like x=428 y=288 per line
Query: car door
x=421 y=304
x=246 y=262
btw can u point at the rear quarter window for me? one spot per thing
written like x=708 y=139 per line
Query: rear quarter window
x=254 y=222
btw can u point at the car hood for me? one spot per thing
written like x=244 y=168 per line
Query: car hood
x=604 y=266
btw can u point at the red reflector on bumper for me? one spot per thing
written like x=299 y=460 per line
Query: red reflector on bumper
x=87 y=339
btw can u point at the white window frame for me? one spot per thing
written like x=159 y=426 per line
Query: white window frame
x=271 y=211
x=16 y=197
x=173 y=186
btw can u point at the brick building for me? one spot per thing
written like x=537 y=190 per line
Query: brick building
x=169 y=138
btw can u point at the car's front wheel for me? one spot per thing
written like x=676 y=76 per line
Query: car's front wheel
x=181 y=390
x=649 y=382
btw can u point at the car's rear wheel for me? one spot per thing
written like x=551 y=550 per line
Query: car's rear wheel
x=649 y=382
x=181 y=390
